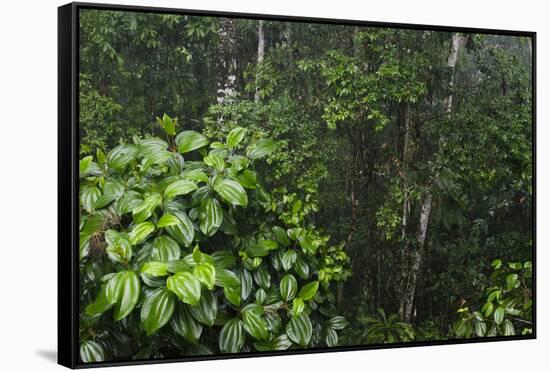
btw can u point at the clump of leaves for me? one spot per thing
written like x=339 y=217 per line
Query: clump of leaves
x=508 y=309
x=183 y=251
x=386 y=329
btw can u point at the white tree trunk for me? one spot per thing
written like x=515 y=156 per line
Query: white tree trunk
x=261 y=52
x=227 y=65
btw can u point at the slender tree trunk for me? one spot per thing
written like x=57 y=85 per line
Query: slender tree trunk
x=227 y=60
x=261 y=51
x=407 y=300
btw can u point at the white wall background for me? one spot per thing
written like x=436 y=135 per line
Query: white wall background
x=28 y=155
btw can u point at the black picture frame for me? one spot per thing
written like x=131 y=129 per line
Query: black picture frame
x=68 y=179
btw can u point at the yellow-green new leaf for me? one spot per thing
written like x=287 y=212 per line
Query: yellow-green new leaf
x=206 y=274
x=308 y=291
x=157 y=269
x=186 y=286
x=235 y=136
x=167 y=220
x=157 y=310
x=179 y=188
x=140 y=232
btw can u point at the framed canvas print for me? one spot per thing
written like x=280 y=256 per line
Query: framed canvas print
x=235 y=185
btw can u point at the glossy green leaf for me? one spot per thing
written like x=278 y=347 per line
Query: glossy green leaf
x=206 y=274
x=288 y=259
x=90 y=351
x=121 y=156
x=299 y=330
x=214 y=161
x=288 y=287
x=179 y=188
x=261 y=148
x=308 y=291
x=232 y=192
x=119 y=248
x=165 y=249
x=297 y=306
x=123 y=289
x=157 y=269
x=255 y=325
x=183 y=232
x=331 y=338
x=498 y=315
x=226 y=278
x=235 y=136
x=167 y=220
x=184 y=324
x=337 y=323
x=210 y=216
x=144 y=210
x=186 y=286
x=100 y=305
x=232 y=337
x=190 y=140
x=88 y=198
x=157 y=310
x=207 y=309
x=140 y=232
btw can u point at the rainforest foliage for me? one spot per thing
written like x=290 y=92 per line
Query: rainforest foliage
x=256 y=185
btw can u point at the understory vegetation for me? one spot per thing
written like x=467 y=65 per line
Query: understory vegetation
x=250 y=185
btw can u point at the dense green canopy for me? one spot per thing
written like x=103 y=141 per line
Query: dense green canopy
x=393 y=165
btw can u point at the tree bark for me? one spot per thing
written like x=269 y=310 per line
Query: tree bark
x=407 y=299
x=227 y=60
x=261 y=51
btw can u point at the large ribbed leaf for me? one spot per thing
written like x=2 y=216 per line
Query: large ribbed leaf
x=167 y=220
x=263 y=278
x=206 y=274
x=90 y=351
x=261 y=147
x=144 y=210
x=288 y=259
x=227 y=279
x=154 y=150
x=121 y=156
x=179 y=188
x=337 y=323
x=157 y=310
x=232 y=192
x=214 y=160
x=308 y=291
x=186 y=286
x=232 y=337
x=255 y=325
x=88 y=198
x=299 y=329
x=210 y=216
x=100 y=305
x=183 y=232
x=246 y=284
x=235 y=136
x=331 y=338
x=185 y=325
x=288 y=287
x=165 y=249
x=140 y=232
x=157 y=269
x=207 y=309
x=190 y=140
x=123 y=289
